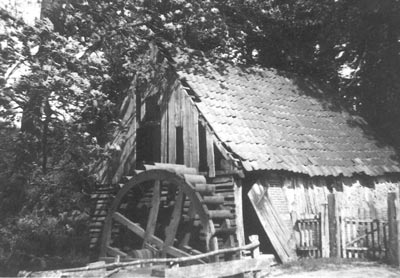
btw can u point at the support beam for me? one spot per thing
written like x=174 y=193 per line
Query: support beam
x=172 y=228
x=135 y=228
x=221 y=269
x=152 y=220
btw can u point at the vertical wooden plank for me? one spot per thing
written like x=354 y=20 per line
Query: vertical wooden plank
x=355 y=226
x=333 y=226
x=311 y=241
x=367 y=239
x=344 y=237
x=186 y=130
x=210 y=153
x=189 y=226
x=237 y=192
x=317 y=238
x=178 y=106
x=393 y=251
x=152 y=220
x=372 y=239
x=170 y=231
x=172 y=129
x=324 y=231
x=385 y=240
x=397 y=242
x=164 y=132
x=378 y=236
x=195 y=138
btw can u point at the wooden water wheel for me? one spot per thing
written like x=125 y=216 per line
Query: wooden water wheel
x=166 y=211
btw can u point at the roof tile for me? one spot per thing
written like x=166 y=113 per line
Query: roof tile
x=271 y=123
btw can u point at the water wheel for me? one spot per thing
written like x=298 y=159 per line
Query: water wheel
x=166 y=211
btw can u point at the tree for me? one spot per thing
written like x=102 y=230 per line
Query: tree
x=78 y=64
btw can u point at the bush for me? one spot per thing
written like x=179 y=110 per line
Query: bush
x=43 y=216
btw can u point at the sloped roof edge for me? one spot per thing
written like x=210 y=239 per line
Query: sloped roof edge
x=271 y=121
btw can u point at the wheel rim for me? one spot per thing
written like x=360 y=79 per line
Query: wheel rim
x=184 y=193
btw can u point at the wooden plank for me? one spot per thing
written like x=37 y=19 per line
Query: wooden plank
x=210 y=153
x=221 y=269
x=172 y=228
x=152 y=220
x=324 y=231
x=171 y=130
x=334 y=246
x=164 y=132
x=220 y=214
x=135 y=228
x=195 y=138
x=112 y=251
x=106 y=237
x=177 y=168
x=178 y=106
x=189 y=226
x=272 y=224
x=195 y=179
x=238 y=199
x=186 y=130
x=394 y=238
x=343 y=227
x=397 y=242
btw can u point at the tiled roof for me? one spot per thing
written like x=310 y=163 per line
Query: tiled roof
x=272 y=122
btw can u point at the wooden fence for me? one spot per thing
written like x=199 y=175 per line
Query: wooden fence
x=334 y=233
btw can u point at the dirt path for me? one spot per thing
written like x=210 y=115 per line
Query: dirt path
x=355 y=270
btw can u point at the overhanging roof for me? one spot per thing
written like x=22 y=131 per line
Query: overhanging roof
x=272 y=122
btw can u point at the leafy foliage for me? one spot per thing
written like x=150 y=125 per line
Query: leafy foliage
x=65 y=78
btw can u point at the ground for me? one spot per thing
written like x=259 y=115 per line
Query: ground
x=310 y=268
x=321 y=268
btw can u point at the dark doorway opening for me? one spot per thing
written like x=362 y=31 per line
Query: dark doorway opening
x=253 y=226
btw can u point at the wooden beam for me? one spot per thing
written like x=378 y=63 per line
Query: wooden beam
x=172 y=228
x=112 y=251
x=221 y=269
x=324 y=231
x=135 y=228
x=178 y=106
x=210 y=154
x=106 y=237
x=334 y=228
x=188 y=226
x=186 y=130
x=177 y=168
x=253 y=245
x=195 y=138
x=195 y=179
x=394 y=229
x=171 y=129
x=164 y=132
x=152 y=220
x=276 y=231
x=237 y=192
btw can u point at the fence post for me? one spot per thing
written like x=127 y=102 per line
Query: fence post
x=334 y=229
x=324 y=231
x=394 y=229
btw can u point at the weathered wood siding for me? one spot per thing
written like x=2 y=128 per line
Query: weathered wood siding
x=179 y=111
x=302 y=196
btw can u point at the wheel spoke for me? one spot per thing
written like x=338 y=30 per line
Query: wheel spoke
x=112 y=251
x=189 y=226
x=170 y=231
x=133 y=227
x=155 y=205
x=136 y=229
